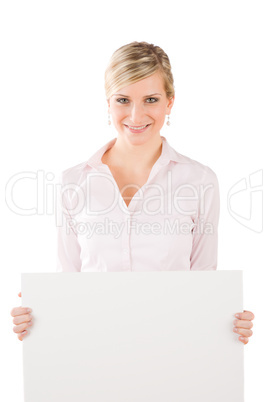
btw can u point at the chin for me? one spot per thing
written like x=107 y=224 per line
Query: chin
x=139 y=139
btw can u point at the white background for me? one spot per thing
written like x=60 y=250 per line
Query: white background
x=54 y=115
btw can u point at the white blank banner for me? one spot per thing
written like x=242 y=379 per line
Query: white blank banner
x=133 y=337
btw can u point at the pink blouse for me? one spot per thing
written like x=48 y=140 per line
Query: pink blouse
x=171 y=222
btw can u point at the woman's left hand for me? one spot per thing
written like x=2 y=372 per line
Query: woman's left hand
x=243 y=325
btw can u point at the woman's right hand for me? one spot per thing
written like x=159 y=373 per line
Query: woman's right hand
x=22 y=320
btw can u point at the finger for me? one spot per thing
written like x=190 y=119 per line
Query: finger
x=20 y=310
x=250 y=312
x=246 y=315
x=18 y=329
x=22 y=318
x=243 y=324
x=243 y=339
x=22 y=335
x=244 y=332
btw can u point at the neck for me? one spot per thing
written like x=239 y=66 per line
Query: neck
x=135 y=157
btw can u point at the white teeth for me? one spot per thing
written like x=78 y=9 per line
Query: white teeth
x=137 y=128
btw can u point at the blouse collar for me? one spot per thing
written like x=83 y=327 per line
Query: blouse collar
x=167 y=154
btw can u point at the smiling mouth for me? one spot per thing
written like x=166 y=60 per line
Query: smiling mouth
x=137 y=127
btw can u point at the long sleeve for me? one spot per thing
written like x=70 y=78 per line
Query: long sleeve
x=68 y=248
x=205 y=236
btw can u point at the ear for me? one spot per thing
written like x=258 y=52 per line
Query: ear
x=170 y=104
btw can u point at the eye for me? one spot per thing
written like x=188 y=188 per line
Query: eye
x=154 y=100
x=121 y=99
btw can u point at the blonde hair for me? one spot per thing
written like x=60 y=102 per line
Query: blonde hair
x=135 y=61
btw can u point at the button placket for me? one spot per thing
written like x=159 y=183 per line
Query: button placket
x=128 y=218
x=125 y=243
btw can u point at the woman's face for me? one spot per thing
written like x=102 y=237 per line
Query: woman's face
x=143 y=103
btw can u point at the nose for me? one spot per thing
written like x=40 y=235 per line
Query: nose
x=137 y=115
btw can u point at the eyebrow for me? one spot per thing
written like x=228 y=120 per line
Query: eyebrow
x=146 y=96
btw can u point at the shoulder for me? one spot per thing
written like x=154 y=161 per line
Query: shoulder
x=70 y=182
x=194 y=170
x=73 y=174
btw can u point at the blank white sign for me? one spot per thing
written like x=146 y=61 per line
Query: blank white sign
x=133 y=337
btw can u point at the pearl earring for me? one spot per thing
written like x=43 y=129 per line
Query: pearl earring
x=168 y=122
x=109 y=121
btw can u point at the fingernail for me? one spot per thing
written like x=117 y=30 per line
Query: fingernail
x=29 y=310
x=237 y=316
x=242 y=338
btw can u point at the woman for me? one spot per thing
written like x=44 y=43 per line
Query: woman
x=137 y=204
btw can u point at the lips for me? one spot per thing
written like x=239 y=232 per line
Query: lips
x=137 y=127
